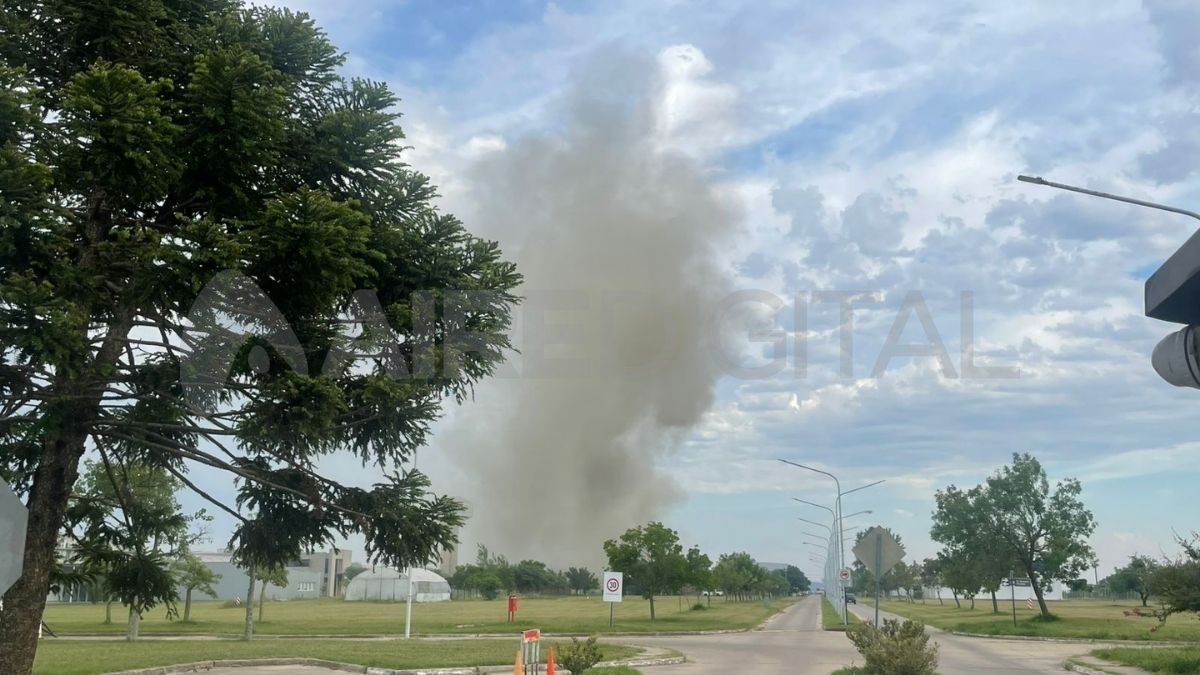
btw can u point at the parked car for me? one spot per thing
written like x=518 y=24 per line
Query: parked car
x=850 y=599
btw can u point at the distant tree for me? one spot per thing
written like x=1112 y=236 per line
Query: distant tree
x=773 y=584
x=961 y=521
x=129 y=527
x=797 y=581
x=931 y=577
x=351 y=571
x=737 y=574
x=1177 y=583
x=651 y=558
x=1080 y=585
x=1134 y=577
x=699 y=571
x=488 y=584
x=277 y=576
x=194 y=575
x=958 y=573
x=533 y=576
x=581 y=580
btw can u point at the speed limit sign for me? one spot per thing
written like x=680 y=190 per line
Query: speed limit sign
x=844 y=575
x=612 y=586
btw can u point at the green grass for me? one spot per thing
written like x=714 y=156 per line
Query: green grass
x=84 y=657
x=615 y=670
x=1155 y=659
x=830 y=619
x=1090 y=619
x=333 y=616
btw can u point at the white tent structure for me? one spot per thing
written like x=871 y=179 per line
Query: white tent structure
x=385 y=583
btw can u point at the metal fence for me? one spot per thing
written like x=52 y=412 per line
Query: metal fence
x=1100 y=594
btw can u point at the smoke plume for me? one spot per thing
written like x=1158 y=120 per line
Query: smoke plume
x=617 y=229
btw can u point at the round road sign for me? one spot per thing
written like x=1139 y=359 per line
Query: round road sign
x=844 y=575
x=614 y=585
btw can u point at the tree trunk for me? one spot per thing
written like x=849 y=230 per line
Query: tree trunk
x=187 y=606
x=131 y=629
x=651 y=607
x=1145 y=598
x=1037 y=590
x=956 y=602
x=938 y=590
x=108 y=612
x=972 y=603
x=57 y=471
x=24 y=603
x=262 y=600
x=995 y=605
x=248 y=631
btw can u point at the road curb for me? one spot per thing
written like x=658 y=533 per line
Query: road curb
x=1080 y=641
x=1079 y=668
x=201 y=666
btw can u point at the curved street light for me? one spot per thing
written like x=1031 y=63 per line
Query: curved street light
x=841 y=540
x=813 y=522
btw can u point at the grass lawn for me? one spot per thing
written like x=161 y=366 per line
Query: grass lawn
x=1155 y=659
x=80 y=657
x=331 y=616
x=1092 y=619
x=830 y=619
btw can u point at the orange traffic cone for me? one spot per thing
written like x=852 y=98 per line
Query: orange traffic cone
x=550 y=661
x=519 y=665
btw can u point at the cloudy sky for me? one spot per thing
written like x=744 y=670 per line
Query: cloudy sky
x=795 y=151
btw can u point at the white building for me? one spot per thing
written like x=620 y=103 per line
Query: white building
x=385 y=583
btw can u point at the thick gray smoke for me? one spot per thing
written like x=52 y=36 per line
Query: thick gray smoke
x=618 y=237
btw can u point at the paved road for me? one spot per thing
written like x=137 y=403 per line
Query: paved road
x=790 y=644
x=959 y=654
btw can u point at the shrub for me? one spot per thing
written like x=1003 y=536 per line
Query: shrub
x=578 y=656
x=894 y=649
x=699 y=607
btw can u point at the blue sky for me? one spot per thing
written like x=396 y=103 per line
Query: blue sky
x=849 y=146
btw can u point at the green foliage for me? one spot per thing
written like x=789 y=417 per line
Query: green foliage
x=797 y=581
x=1014 y=521
x=698 y=573
x=129 y=530
x=352 y=571
x=193 y=574
x=148 y=147
x=1181 y=660
x=579 y=657
x=699 y=607
x=651 y=559
x=895 y=648
x=581 y=580
x=532 y=576
x=1177 y=583
x=1134 y=577
x=737 y=574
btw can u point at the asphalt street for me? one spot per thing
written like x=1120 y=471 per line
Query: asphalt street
x=792 y=643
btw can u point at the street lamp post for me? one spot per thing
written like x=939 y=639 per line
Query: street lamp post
x=837 y=514
x=1172 y=294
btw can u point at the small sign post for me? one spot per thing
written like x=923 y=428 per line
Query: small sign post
x=531 y=651
x=614 y=591
x=879 y=552
x=512 y=607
